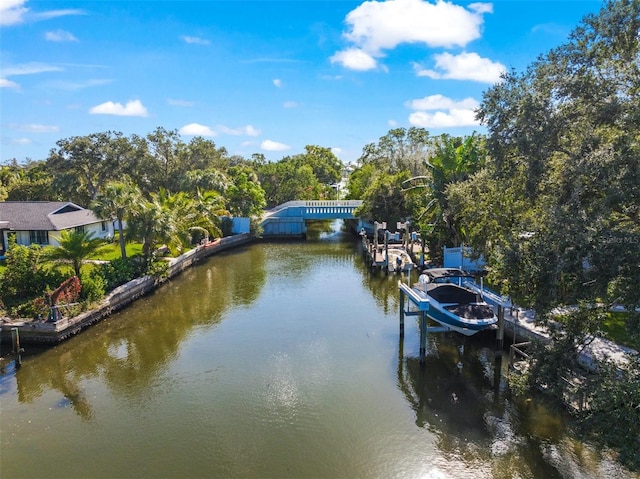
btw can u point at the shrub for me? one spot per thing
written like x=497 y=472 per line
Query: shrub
x=93 y=287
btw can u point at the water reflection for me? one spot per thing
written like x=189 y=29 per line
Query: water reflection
x=132 y=348
x=277 y=360
x=460 y=395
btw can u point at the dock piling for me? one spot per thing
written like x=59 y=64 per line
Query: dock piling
x=17 y=350
x=500 y=331
x=401 y=314
x=423 y=335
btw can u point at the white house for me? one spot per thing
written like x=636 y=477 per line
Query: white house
x=41 y=222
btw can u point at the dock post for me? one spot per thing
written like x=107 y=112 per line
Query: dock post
x=15 y=340
x=401 y=314
x=423 y=335
x=500 y=331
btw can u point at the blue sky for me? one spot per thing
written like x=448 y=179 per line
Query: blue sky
x=261 y=76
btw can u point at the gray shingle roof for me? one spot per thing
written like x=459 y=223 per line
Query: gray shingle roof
x=44 y=215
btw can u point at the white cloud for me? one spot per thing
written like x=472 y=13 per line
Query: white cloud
x=442 y=119
x=269 y=145
x=377 y=26
x=29 y=69
x=60 y=36
x=12 y=12
x=35 y=128
x=277 y=82
x=24 y=69
x=481 y=7
x=21 y=141
x=195 y=40
x=72 y=86
x=132 y=108
x=174 y=102
x=248 y=130
x=196 y=129
x=57 y=13
x=4 y=83
x=465 y=66
x=290 y=104
x=336 y=150
x=354 y=59
x=440 y=102
x=447 y=112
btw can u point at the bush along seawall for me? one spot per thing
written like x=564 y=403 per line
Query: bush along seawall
x=62 y=328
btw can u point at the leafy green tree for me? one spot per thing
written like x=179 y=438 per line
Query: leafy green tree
x=204 y=180
x=326 y=167
x=75 y=247
x=116 y=201
x=288 y=180
x=202 y=154
x=150 y=223
x=452 y=160
x=359 y=180
x=384 y=200
x=556 y=209
x=24 y=279
x=168 y=158
x=209 y=207
x=563 y=168
x=400 y=149
x=81 y=165
x=245 y=195
x=29 y=182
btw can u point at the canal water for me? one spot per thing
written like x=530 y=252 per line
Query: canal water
x=277 y=360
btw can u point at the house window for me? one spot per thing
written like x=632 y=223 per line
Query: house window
x=79 y=229
x=39 y=237
x=104 y=226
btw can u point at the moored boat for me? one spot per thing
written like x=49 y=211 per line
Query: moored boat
x=452 y=304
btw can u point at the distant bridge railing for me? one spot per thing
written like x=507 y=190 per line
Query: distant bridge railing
x=289 y=218
x=313 y=206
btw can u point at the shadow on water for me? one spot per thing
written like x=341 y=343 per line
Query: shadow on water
x=460 y=394
x=138 y=361
x=132 y=347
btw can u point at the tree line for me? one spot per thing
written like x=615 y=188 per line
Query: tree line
x=550 y=196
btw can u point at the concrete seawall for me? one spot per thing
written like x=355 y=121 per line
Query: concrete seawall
x=54 y=332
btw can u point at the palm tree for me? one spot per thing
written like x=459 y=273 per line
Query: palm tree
x=453 y=160
x=75 y=247
x=149 y=222
x=117 y=200
x=209 y=205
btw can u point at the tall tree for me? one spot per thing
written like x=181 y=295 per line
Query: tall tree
x=245 y=195
x=563 y=145
x=452 y=160
x=400 y=149
x=117 y=201
x=81 y=165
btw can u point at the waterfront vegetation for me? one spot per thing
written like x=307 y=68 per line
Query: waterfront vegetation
x=550 y=197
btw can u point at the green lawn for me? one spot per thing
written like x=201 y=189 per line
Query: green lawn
x=112 y=251
x=615 y=328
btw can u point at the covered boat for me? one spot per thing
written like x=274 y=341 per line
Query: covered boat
x=453 y=305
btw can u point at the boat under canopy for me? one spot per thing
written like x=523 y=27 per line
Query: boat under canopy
x=452 y=304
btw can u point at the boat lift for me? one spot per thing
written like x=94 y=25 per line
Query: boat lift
x=420 y=308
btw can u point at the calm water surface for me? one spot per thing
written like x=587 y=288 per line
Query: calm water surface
x=276 y=360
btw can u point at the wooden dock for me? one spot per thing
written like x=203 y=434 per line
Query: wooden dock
x=376 y=254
